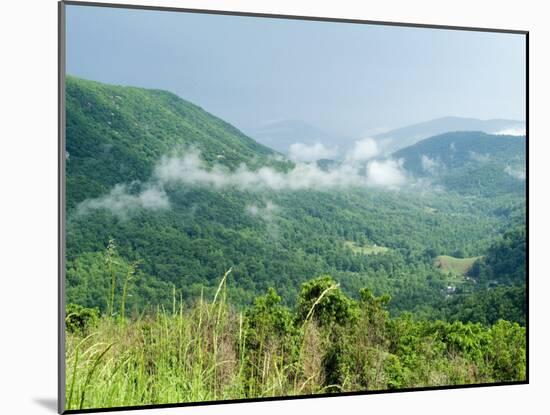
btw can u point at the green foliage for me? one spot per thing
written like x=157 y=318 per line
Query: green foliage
x=209 y=351
x=269 y=332
x=321 y=299
x=507 y=352
x=118 y=135
x=487 y=306
x=90 y=283
x=115 y=134
x=505 y=260
x=268 y=320
x=469 y=162
x=79 y=319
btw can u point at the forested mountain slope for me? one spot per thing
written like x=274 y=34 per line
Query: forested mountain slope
x=116 y=134
x=409 y=135
x=186 y=196
x=470 y=162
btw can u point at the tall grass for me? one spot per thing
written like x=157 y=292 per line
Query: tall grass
x=210 y=352
x=186 y=355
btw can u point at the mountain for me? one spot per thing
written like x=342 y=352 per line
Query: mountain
x=469 y=161
x=274 y=236
x=116 y=134
x=188 y=241
x=280 y=135
x=396 y=139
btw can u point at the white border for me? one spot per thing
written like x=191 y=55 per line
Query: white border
x=28 y=227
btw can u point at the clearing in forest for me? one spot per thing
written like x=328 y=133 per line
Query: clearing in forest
x=458 y=266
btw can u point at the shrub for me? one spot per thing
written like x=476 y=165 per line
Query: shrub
x=322 y=299
x=79 y=319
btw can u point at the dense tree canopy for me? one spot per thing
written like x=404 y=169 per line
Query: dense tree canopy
x=384 y=240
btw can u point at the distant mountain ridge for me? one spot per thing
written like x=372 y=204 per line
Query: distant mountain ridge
x=396 y=139
x=280 y=135
x=469 y=161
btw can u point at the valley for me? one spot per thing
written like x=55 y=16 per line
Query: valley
x=202 y=265
x=186 y=226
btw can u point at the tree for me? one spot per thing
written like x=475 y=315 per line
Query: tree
x=322 y=299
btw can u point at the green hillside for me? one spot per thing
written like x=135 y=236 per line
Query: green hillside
x=457 y=266
x=202 y=265
x=470 y=162
x=117 y=136
x=505 y=259
x=495 y=284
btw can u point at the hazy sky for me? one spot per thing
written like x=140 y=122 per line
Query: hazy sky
x=348 y=79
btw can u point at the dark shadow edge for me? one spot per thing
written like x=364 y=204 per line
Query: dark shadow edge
x=296 y=397
x=292 y=17
x=61 y=376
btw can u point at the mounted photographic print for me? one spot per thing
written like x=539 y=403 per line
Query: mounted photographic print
x=258 y=207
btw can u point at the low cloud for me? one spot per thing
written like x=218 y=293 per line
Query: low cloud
x=266 y=213
x=309 y=153
x=386 y=173
x=263 y=212
x=121 y=200
x=190 y=169
x=363 y=150
x=429 y=165
x=511 y=131
x=482 y=158
x=515 y=172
